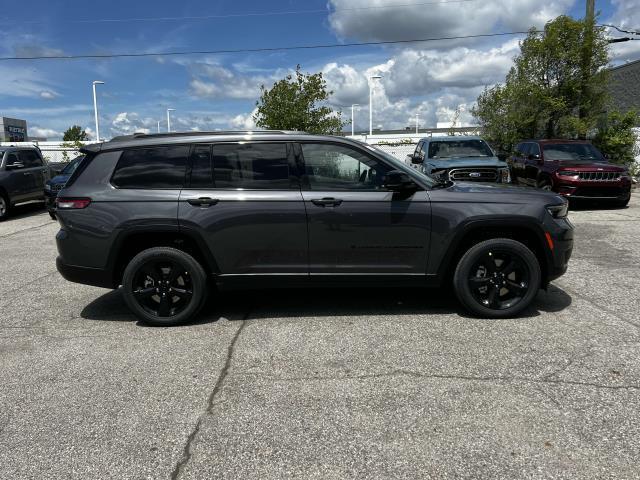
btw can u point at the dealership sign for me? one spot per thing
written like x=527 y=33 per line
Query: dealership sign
x=18 y=130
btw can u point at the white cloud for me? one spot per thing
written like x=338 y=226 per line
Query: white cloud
x=20 y=81
x=210 y=80
x=365 y=20
x=244 y=121
x=48 y=133
x=126 y=123
x=48 y=95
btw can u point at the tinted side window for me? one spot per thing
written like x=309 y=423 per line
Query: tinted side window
x=156 y=167
x=201 y=169
x=335 y=167
x=29 y=158
x=262 y=166
x=518 y=150
x=534 y=149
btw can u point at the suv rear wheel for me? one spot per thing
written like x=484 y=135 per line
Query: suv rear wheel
x=497 y=278
x=164 y=286
x=4 y=207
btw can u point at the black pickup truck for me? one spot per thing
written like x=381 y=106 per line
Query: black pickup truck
x=23 y=173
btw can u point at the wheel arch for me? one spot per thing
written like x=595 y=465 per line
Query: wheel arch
x=128 y=244
x=474 y=232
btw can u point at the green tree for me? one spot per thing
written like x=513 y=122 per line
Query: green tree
x=75 y=133
x=616 y=138
x=295 y=103
x=556 y=88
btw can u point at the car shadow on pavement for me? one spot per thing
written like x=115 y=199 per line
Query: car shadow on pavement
x=26 y=211
x=301 y=303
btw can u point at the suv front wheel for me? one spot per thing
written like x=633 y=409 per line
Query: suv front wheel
x=164 y=286
x=497 y=278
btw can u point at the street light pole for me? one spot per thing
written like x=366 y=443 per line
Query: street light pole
x=373 y=77
x=417 y=122
x=169 y=110
x=353 y=125
x=158 y=126
x=95 y=108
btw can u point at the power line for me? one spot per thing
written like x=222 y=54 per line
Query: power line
x=238 y=15
x=632 y=32
x=256 y=50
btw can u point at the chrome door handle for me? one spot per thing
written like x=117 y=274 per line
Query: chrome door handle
x=326 y=202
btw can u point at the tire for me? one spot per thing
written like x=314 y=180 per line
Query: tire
x=5 y=207
x=622 y=203
x=546 y=185
x=514 y=281
x=151 y=283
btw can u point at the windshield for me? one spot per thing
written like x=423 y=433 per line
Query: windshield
x=567 y=152
x=459 y=149
x=71 y=167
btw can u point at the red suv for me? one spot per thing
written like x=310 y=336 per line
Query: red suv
x=573 y=168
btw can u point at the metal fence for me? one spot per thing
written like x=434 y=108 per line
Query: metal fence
x=53 y=152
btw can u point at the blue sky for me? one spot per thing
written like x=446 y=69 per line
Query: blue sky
x=219 y=91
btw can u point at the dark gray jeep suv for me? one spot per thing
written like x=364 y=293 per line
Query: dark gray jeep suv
x=162 y=215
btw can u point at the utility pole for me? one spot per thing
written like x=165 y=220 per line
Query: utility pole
x=591 y=9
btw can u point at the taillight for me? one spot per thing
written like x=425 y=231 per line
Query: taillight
x=72 y=203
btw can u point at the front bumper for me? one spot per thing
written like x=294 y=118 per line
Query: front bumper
x=579 y=189
x=560 y=246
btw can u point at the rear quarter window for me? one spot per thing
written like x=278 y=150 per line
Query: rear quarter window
x=151 y=168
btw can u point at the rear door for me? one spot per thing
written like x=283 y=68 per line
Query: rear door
x=33 y=171
x=243 y=199
x=355 y=225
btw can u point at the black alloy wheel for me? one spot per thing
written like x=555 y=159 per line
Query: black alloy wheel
x=497 y=278
x=164 y=286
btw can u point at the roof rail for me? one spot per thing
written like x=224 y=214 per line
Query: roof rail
x=141 y=135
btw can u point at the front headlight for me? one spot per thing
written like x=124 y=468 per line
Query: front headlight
x=47 y=187
x=505 y=175
x=441 y=174
x=567 y=173
x=558 y=211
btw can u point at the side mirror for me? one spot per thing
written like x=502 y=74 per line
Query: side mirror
x=397 y=181
x=415 y=159
x=14 y=166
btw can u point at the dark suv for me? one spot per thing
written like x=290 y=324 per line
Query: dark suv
x=162 y=215
x=23 y=173
x=573 y=168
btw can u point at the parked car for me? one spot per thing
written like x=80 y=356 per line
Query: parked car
x=23 y=173
x=461 y=159
x=54 y=185
x=573 y=168
x=162 y=215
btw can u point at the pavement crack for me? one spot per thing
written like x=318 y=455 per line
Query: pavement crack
x=25 y=230
x=186 y=452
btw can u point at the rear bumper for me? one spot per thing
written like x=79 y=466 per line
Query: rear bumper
x=85 y=275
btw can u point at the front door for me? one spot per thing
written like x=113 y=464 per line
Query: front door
x=355 y=225
x=244 y=200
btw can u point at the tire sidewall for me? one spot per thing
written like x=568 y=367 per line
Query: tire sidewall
x=198 y=279
x=7 y=207
x=463 y=269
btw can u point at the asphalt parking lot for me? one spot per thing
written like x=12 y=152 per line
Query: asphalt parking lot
x=323 y=384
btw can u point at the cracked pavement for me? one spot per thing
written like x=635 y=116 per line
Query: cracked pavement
x=323 y=384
